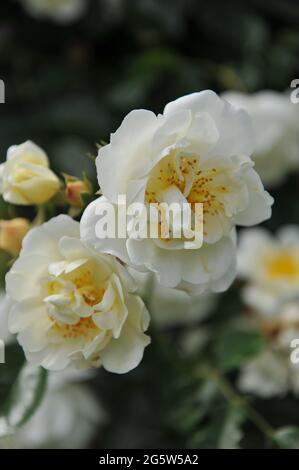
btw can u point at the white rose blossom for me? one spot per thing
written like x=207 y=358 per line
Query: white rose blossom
x=25 y=177
x=197 y=151
x=73 y=306
x=66 y=419
x=62 y=11
x=272 y=373
x=276 y=125
x=270 y=266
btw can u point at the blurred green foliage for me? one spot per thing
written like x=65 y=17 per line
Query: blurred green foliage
x=68 y=87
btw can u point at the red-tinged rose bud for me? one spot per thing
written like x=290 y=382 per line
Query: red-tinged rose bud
x=74 y=189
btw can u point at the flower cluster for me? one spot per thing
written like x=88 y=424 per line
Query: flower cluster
x=270 y=267
x=197 y=151
x=74 y=298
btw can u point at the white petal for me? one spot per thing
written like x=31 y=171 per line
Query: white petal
x=28 y=150
x=258 y=210
x=128 y=154
x=22 y=315
x=114 y=246
x=125 y=353
x=218 y=257
x=23 y=281
x=44 y=239
x=230 y=121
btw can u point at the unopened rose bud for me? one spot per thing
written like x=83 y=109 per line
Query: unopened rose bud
x=12 y=233
x=74 y=189
x=25 y=177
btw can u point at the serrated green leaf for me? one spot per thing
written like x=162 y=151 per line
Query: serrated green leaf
x=237 y=346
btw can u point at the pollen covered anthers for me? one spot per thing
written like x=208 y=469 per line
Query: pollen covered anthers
x=176 y=173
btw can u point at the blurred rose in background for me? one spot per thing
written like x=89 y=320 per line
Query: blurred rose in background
x=73 y=70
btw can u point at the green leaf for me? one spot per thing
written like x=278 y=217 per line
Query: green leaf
x=4 y=209
x=87 y=182
x=5 y=258
x=86 y=198
x=237 y=346
x=287 y=437
x=14 y=360
x=222 y=432
x=25 y=396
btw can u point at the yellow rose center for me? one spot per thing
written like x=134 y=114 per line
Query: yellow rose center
x=283 y=265
x=196 y=185
x=74 y=292
x=85 y=328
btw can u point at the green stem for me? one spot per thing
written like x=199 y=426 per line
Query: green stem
x=238 y=401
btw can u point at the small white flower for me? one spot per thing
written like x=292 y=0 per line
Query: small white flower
x=272 y=373
x=66 y=418
x=265 y=376
x=59 y=10
x=276 y=124
x=197 y=151
x=72 y=305
x=25 y=178
x=270 y=266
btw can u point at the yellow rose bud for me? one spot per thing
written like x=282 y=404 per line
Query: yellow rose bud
x=12 y=233
x=73 y=191
x=25 y=177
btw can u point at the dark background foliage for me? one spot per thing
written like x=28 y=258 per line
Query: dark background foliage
x=69 y=86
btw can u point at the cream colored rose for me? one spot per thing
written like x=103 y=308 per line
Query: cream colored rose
x=73 y=306
x=270 y=267
x=12 y=233
x=272 y=373
x=25 y=177
x=276 y=124
x=197 y=151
